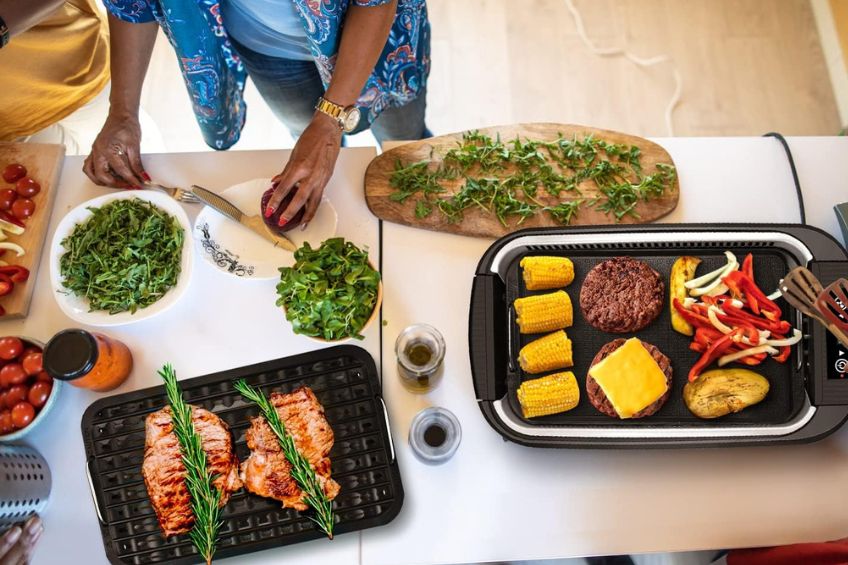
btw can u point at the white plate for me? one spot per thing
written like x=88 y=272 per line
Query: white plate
x=76 y=307
x=233 y=249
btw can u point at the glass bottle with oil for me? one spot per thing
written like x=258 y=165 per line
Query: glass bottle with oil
x=420 y=351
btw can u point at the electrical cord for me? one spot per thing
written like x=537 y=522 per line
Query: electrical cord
x=801 y=211
x=639 y=61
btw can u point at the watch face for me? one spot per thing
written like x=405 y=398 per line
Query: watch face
x=352 y=119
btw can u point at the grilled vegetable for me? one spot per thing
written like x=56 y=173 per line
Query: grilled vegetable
x=724 y=391
x=549 y=395
x=546 y=353
x=681 y=272
x=544 y=312
x=542 y=273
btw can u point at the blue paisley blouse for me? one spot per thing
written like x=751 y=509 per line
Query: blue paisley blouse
x=215 y=77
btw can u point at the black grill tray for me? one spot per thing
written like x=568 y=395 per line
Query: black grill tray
x=786 y=394
x=344 y=379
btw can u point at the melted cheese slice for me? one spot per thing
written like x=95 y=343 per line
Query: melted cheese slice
x=630 y=378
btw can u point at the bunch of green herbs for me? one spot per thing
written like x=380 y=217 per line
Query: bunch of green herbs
x=330 y=292
x=124 y=257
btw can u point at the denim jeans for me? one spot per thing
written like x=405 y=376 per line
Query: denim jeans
x=291 y=88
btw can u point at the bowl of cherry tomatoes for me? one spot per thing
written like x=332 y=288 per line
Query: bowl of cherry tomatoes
x=27 y=392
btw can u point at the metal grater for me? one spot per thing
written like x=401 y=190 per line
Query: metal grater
x=24 y=484
x=842 y=215
x=344 y=379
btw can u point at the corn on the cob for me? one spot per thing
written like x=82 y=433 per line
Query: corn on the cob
x=541 y=273
x=544 y=312
x=549 y=395
x=546 y=353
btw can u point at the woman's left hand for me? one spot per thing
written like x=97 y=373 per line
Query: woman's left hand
x=309 y=169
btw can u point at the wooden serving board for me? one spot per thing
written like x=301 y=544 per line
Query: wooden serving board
x=44 y=164
x=481 y=223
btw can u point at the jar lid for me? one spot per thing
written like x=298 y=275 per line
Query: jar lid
x=70 y=354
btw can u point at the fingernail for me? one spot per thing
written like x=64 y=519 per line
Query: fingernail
x=282 y=222
x=13 y=535
x=303 y=227
x=269 y=211
x=34 y=529
x=145 y=176
x=136 y=187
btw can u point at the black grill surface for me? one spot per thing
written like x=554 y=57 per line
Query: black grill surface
x=344 y=379
x=786 y=394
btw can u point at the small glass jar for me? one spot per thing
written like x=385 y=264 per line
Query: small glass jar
x=87 y=360
x=434 y=435
x=420 y=350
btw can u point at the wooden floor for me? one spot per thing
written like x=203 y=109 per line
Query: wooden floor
x=748 y=66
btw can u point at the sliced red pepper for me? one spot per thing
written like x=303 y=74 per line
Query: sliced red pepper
x=6 y=286
x=748 y=266
x=737 y=315
x=691 y=316
x=715 y=351
x=15 y=272
x=752 y=360
x=11 y=219
x=743 y=286
x=783 y=355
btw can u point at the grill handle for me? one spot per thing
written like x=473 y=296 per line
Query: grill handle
x=94 y=498
x=486 y=325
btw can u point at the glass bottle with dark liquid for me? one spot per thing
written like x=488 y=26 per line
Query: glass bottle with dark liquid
x=420 y=350
x=434 y=435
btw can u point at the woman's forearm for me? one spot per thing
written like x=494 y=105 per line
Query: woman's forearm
x=20 y=15
x=364 y=35
x=131 y=46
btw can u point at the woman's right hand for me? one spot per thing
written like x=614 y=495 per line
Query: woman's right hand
x=115 y=158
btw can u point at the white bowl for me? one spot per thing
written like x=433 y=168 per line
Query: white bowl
x=77 y=307
x=42 y=414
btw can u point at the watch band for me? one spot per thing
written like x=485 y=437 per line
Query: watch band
x=4 y=33
x=331 y=109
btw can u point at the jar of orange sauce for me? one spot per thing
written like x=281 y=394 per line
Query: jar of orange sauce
x=87 y=359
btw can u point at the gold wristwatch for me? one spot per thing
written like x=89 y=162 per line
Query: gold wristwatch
x=348 y=118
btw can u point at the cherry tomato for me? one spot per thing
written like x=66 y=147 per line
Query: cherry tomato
x=27 y=187
x=22 y=414
x=13 y=374
x=14 y=172
x=7 y=196
x=30 y=349
x=39 y=393
x=6 y=422
x=31 y=363
x=23 y=208
x=10 y=347
x=44 y=377
x=16 y=394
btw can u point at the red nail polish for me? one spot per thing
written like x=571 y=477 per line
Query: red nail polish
x=146 y=176
x=282 y=222
x=136 y=187
x=269 y=211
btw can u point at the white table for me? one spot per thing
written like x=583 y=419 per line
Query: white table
x=221 y=323
x=501 y=501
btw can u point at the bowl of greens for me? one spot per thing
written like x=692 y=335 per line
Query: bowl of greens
x=332 y=292
x=121 y=258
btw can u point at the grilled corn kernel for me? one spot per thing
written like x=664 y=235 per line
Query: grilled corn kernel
x=544 y=312
x=546 y=353
x=542 y=273
x=549 y=395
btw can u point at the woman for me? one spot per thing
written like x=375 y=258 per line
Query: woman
x=359 y=63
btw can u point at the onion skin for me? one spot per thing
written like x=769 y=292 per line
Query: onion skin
x=273 y=220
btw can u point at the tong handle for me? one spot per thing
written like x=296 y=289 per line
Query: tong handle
x=833 y=303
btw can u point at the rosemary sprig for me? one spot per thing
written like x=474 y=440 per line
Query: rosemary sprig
x=205 y=498
x=301 y=471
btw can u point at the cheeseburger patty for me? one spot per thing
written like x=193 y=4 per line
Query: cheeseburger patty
x=622 y=295
x=599 y=399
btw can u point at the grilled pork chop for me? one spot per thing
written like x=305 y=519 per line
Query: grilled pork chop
x=267 y=472
x=164 y=473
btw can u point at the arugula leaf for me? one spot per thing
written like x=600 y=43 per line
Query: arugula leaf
x=330 y=292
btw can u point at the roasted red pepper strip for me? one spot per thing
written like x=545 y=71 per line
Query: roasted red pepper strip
x=697 y=320
x=752 y=360
x=735 y=315
x=11 y=219
x=715 y=351
x=783 y=355
x=743 y=286
x=6 y=286
x=748 y=266
x=15 y=272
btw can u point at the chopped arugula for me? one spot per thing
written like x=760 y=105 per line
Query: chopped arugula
x=124 y=257
x=330 y=292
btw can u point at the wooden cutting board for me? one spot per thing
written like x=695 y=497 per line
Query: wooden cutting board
x=480 y=223
x=44 y=164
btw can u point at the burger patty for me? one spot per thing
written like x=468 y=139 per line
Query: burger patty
x=622 y=295
x=599 y=399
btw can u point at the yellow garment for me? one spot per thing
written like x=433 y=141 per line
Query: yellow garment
x=53 y=69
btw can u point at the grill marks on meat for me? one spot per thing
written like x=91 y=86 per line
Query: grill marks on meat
x=267 y=472
x=622 y=295
x=599 y=399
x=164 y=472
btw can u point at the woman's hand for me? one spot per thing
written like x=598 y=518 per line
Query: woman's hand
x=309 y=169
x=115 y=158
x=17 y=544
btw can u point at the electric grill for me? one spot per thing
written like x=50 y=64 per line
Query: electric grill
x=808 y=398
x=345 y=380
